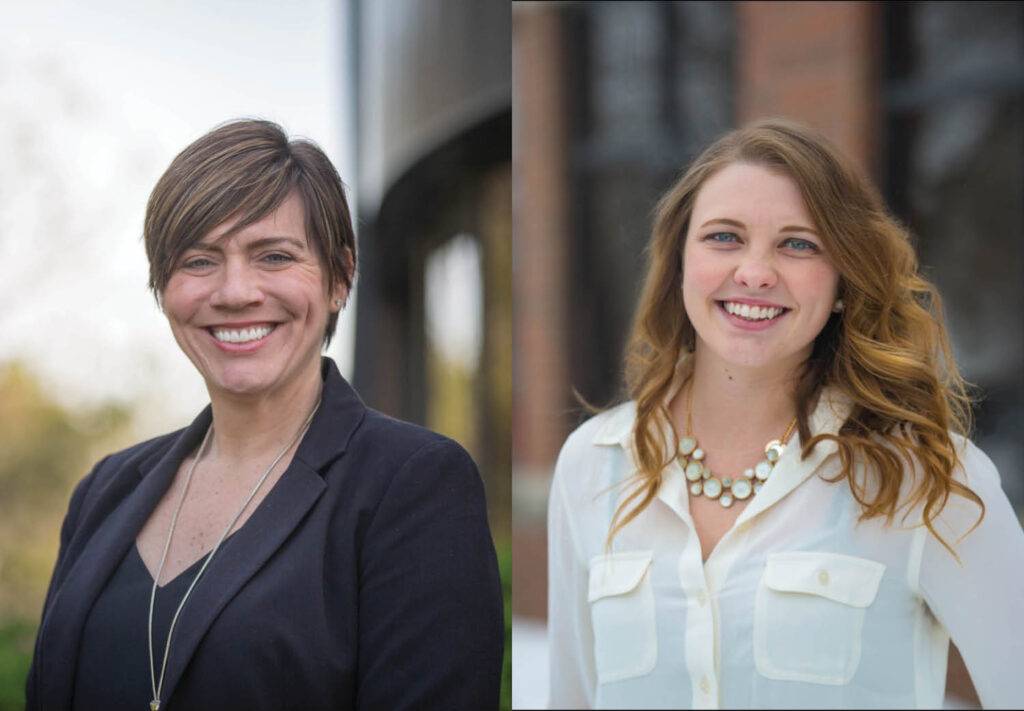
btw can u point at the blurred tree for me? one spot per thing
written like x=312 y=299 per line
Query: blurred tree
x=45 y=449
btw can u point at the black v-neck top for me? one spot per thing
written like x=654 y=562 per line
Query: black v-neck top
x=366 y=579
x=113 y=660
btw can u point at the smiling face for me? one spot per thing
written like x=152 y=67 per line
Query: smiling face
x=757 y=284
x=249 y=308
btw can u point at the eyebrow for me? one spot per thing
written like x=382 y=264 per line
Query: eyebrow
x=255 y=244
x=737 y=223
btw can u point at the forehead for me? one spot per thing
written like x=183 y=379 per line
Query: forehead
x=750 y=193
x=288 y=220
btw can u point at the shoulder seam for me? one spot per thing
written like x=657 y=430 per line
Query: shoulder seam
x=438 y=441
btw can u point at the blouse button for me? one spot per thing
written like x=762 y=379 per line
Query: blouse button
x=705 y=685
x=823 y=577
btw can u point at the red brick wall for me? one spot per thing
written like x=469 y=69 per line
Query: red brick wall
x=815 y=62
x=540 y=288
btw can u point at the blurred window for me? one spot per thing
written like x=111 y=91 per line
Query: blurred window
x=453 y=301
x=650 y=84
x=954 y=118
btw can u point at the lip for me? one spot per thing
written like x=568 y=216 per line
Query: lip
x=745 y=325
x=241 y=348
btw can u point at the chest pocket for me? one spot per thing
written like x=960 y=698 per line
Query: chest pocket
x=622 y=613
x=809 y=614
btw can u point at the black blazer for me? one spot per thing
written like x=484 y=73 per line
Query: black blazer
x=366 y=579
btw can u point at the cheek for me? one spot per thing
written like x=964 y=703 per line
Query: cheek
x=702 y=277
x=816 y=285
x=180 y=299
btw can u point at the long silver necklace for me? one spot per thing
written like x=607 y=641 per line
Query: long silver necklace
x=158 y=685
x=727 y=489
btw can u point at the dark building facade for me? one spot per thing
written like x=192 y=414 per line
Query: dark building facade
x=433 y=108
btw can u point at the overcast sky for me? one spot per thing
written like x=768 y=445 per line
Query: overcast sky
x=96 y=98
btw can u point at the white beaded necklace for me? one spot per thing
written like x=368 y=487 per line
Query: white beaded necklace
x=158 y=686
x=727 y=489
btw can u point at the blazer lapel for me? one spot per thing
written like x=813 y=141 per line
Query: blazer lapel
x=100 y=556
x=239 y=559
x=243 y=554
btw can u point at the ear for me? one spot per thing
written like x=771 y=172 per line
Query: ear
x=340 y=292
x=339 y=297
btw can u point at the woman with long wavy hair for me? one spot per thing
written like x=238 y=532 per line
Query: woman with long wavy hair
x=787 y=512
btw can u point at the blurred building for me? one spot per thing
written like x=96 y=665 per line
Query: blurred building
x=433 y=121
x=612 y=100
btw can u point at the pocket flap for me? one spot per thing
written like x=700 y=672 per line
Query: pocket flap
x=617 y=573
x=842 y=578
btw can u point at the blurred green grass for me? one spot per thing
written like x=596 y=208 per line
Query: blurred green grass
x=16 y=640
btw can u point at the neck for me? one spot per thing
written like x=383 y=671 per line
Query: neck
x=247 y=427
x=736 y=406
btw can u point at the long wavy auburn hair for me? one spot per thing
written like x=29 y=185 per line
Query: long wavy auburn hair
x=888 y=350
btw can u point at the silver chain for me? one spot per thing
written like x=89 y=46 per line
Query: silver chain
x=157 y=686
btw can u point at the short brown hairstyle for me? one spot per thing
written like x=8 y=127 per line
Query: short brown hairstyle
x=243 y=170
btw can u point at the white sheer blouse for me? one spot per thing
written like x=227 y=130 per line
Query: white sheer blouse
x=798 y=606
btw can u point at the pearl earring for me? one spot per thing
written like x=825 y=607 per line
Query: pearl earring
x=838 y=306
x=339 y=303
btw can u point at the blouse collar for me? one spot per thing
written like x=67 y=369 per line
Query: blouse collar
x=830 y=412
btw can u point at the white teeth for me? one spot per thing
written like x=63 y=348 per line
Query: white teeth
x=243 y=335
x=752 y=313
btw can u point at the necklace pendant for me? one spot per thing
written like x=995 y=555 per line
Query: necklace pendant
x=694 y=471
x=712 y=488
x=762 y=470
x=687 y=445
x=742 y=489
x=154 y=705
x=773 y=451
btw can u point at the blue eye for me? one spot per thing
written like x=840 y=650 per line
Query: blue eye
x=277 y=258
x=801 y=245
x=721 y=237
x=196 y=263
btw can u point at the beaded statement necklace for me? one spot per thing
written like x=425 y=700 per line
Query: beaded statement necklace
x=727 y=489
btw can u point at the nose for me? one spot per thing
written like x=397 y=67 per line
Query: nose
x=756 y=272
x=237 y=288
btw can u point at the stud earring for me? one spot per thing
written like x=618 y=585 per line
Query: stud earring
x=339 y=303
x=838 y=306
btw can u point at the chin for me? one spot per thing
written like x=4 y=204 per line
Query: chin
x=750 y=355
x=748 y=360
x=240 y=381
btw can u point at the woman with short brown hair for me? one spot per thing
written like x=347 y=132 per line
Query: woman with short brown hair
x=291 y=548
x=787 y=513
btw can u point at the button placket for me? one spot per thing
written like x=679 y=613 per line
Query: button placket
x=705 y=684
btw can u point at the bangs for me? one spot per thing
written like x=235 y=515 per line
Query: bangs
x=238 y=190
